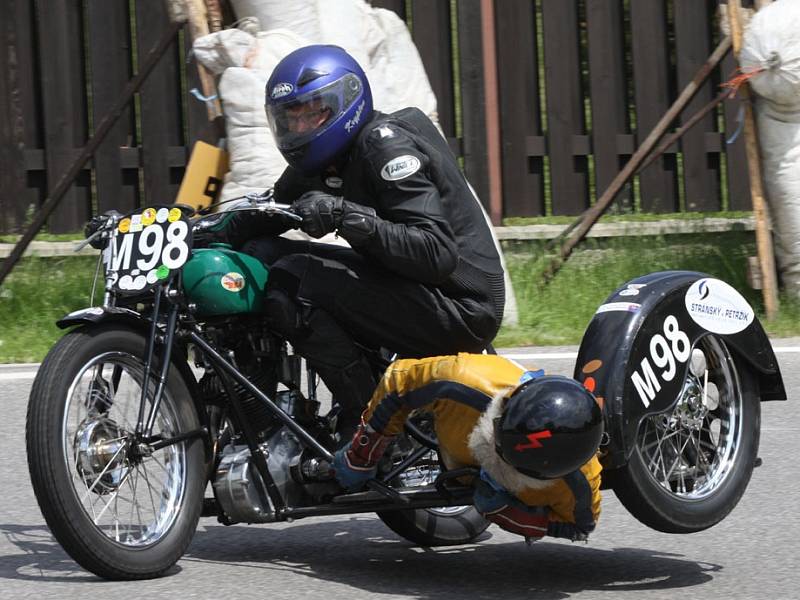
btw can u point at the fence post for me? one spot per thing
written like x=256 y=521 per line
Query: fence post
x=110 y=55
x=473 y=98
x=64 y=102
x=12 y=172
x=520 y=114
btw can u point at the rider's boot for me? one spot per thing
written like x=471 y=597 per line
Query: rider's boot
x=351 y=387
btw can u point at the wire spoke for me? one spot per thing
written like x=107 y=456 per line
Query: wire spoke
x=149 y=487
x=690 y=450
x=135 y=507
x=111 y=483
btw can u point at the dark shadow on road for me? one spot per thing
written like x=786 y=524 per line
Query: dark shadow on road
x=42 y=558
x=362 y=553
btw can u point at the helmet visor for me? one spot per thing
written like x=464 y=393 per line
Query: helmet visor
x=305 y=116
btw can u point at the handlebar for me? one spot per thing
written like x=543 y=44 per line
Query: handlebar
x=261 y=202
x=264 y=203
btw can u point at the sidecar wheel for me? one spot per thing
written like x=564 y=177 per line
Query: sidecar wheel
x=445 y=526
x=118 y=510
x=448 y=526
x=692 y=464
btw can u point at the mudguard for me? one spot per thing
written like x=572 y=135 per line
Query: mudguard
x=635 y=353
x=132 y=319
x=102 y=314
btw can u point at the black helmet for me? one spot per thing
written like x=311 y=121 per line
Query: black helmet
x=549 y=427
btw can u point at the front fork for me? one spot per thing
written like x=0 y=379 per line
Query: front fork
x=146 y=419
x=144 y=427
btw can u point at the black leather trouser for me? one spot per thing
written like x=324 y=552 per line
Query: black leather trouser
x=330 y=302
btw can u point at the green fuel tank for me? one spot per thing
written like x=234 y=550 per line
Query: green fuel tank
x=221 y=281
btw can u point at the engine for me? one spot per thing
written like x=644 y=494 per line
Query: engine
x=239 y=489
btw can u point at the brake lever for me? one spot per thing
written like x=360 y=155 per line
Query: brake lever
x=273 y=207
x=265 y=202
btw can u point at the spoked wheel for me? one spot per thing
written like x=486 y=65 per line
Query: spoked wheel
x=445 y=526
x=692 y=463
x=121 y=509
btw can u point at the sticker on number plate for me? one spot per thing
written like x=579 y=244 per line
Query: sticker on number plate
x=148 y=247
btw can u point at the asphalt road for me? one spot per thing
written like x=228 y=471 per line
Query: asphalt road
x=752 y=554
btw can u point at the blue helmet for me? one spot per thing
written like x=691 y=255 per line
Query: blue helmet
x=317 y=100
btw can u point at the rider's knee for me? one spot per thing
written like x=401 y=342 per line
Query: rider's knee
x=284 y=315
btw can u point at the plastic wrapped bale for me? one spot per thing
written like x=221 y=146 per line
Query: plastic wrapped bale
x=771 y=46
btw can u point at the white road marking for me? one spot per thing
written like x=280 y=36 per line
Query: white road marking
x=28 y=375
x=572 y=355
x=17 y=376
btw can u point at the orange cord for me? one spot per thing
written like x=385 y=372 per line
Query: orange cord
x=739 y=77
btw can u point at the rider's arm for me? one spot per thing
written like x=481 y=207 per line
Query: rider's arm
x=406 y=385
x=409 y=234
x=574 y=502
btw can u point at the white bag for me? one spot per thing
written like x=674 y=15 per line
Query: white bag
x=772 y=43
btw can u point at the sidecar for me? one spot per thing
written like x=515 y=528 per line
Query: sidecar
x=680 y=364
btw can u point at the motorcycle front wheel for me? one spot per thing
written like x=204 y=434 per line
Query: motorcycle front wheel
x=692 y=463
x=119 y=510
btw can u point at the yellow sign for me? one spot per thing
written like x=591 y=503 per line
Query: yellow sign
x=124 y=225
x=205 y=172
x=174 y=215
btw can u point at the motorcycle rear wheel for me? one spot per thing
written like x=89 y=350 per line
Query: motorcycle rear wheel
x=692 y=463
x=119 y=514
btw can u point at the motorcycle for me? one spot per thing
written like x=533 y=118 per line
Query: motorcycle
x=174 y=381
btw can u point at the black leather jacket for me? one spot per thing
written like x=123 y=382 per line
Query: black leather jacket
x=428 y=226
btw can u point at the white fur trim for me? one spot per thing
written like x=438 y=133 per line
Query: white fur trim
x=481 y=444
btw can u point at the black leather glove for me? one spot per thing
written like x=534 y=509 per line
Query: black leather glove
x=323 y=213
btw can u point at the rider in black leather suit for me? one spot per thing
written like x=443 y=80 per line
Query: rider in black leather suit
x=422 y=276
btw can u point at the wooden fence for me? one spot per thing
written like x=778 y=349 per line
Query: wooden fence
x=581 y=82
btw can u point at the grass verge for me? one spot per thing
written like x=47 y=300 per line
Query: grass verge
x=559 y=312
x=41 y=290
x=37 y=293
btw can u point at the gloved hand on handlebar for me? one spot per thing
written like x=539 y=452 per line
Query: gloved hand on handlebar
x=323 y=214
x=504 y=509
x=357 y=463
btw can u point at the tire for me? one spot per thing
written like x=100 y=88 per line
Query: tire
x=691 y=464
x=446 y=526
x=117 y=515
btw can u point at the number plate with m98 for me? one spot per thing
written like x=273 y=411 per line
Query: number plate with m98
x=147 y=248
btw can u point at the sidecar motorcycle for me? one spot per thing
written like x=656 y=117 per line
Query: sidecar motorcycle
x=175 y=382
